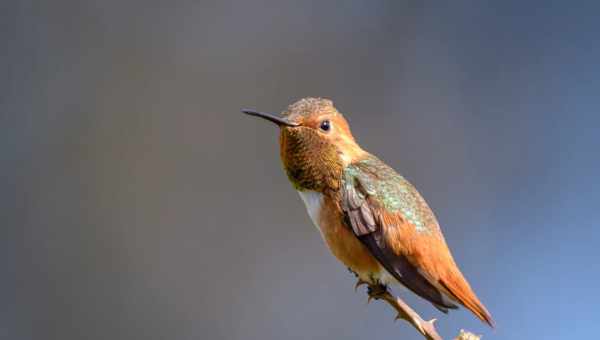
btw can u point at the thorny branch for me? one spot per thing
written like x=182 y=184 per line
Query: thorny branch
x=426 y=328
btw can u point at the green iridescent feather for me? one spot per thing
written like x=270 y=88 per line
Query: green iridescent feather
x=391 y=191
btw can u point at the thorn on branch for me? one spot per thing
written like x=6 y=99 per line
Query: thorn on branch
x=426 y=328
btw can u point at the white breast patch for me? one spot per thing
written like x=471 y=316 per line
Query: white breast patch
x=313 y=201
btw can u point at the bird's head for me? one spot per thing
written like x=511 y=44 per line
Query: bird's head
x=316 y=143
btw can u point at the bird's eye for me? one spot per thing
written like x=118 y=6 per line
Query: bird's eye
x=325 y=125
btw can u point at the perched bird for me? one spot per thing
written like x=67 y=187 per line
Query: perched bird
x=371 y=218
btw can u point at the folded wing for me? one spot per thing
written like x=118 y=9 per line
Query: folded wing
x=392 y=220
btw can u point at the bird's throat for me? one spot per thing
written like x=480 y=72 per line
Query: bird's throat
x=309 y=164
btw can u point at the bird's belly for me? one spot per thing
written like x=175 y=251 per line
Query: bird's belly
x=340 y=240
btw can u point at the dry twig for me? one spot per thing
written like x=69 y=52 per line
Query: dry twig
x=426 y=328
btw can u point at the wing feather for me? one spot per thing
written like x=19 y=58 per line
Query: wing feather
x=360 y=216
x=395 y=224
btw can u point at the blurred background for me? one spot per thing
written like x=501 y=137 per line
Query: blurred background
x=139 y=203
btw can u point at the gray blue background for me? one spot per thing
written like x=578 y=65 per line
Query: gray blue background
x=138 y=203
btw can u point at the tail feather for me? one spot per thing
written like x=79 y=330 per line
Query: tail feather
x=459 y=289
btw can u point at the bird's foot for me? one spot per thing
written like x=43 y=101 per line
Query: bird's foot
x=376 y=292
x=426 y=328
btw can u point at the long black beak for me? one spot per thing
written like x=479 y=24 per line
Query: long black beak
x=270 y=117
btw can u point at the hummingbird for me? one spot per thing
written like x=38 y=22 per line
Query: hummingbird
x=371 y=218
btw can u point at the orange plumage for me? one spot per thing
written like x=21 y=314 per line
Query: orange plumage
x=371 y=218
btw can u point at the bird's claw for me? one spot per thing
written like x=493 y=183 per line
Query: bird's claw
x=426 y=328
x=376 y=292
x=359 y=283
